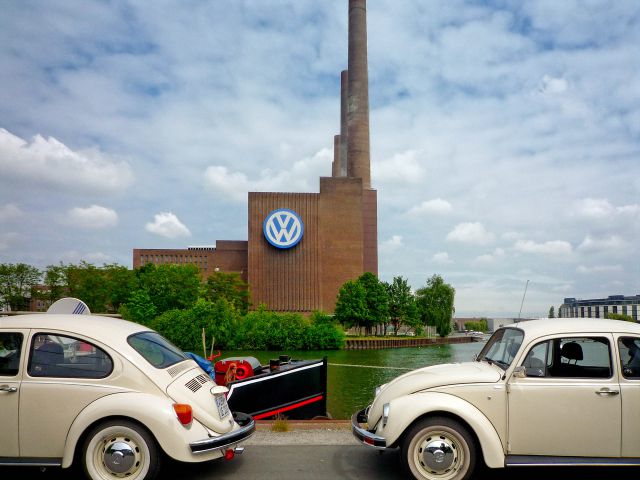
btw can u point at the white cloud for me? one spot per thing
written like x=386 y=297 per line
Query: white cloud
x=394 y=243
x=471 y=233
x=611 y=242
x=167 y=225
x=600 y=208
x=553 y=86
x=9 y=212
x=491 y=257
x=442 y=258
x=93 y=217
x=402 y=168
x=437 y=206
x=599 y=269
x=553 y=247
x=302 y=177
x=596 y=207
x=48 y=161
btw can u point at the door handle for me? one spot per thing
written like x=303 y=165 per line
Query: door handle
x=606 y=392
x=7 y=388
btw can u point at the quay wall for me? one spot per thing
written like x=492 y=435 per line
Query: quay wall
x=379 y=343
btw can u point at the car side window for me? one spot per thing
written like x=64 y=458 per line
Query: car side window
x=580 y=357
x=10 y=348
x=54 y=355
x=629 y=348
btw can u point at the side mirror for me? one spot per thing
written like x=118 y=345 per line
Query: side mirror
x=520 y=372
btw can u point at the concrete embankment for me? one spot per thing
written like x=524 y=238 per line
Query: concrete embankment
x=406 y=342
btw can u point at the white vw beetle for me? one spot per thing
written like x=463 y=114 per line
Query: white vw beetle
x=108 y=393
x=541 y=392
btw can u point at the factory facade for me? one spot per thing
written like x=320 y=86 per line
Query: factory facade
x=302 y=247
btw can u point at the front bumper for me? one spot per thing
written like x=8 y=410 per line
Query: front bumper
x=365 y=436
x=247 y=428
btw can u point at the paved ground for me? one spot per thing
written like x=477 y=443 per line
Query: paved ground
x=315 y=452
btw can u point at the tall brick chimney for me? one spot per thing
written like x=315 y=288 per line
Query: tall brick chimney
x=358 y=154
x=344 y=116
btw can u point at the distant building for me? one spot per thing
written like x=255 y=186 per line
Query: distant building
x=599 y=307
x=226 y=256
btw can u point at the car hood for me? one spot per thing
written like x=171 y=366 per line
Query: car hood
x=194 y=387
x=431 y=377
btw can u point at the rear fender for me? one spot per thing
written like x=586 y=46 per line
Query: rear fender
x=155 y=413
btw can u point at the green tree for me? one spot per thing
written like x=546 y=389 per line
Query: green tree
x=481 y=325
x=90 y=284
x=55 y=282
x=139 y=308
x=184 y=327
x=170 y=286
x=17 y=282
x=351 y=305
x=121 y=282
x=552 y=313
x=435 y=304
x=376 y=300
x=619 y=316
x=229 y=286
x=402 y=304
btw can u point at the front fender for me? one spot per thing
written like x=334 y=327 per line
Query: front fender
x=406 y=409
x=154 y=412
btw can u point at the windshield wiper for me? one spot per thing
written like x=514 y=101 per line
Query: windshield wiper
x=501 y=364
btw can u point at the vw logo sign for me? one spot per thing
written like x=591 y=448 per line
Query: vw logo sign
x=283 y=228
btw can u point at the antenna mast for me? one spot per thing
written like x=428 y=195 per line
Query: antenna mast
x=522 y=303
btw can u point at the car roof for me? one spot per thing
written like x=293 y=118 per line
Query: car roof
x=94 y=326
x=549 y=326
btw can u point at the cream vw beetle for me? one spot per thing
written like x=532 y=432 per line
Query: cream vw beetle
x=541 y=392
x=110 y=394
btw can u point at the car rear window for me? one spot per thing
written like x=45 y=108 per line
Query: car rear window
x=156 y=349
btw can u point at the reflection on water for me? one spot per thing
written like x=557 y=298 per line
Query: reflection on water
x=351 y=388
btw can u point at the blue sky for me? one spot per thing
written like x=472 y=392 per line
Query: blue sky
x=505 y=135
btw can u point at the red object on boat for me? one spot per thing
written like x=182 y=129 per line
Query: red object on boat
x=245 y=367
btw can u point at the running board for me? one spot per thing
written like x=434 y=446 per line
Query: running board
x=30 y=462
x=544 y=461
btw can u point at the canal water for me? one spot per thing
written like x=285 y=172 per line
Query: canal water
x=354 y=374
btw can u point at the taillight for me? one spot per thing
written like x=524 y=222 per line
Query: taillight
x=183 y=412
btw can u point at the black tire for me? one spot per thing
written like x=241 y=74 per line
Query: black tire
x=118 y=449
x=438 y=448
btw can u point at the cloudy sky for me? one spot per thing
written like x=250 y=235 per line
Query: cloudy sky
x=505 y=134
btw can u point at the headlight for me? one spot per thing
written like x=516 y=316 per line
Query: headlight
x=376 y=392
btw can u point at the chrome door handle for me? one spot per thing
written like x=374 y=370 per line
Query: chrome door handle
x=606 y=392
x=7 y=388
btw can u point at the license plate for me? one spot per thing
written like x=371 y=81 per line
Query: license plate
x=223 y=406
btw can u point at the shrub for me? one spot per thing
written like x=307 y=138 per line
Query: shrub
x=323 y=333
x=184 y=327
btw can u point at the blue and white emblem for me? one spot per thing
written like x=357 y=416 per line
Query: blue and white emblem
x=283 y=228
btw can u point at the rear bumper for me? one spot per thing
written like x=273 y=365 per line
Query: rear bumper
x=247 y=428
x=365 y=436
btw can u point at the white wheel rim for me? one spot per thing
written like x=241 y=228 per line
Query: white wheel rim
x=117 y=452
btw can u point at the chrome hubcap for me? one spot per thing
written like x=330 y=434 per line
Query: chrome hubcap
x=120 y=456
x=438 y=455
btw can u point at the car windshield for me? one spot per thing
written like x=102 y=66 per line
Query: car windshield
x=502 y=347
x=156 y=349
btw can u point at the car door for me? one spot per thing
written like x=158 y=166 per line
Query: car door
x=64 y=374
x=569 y=404
x=11 y=356
x=629 y=361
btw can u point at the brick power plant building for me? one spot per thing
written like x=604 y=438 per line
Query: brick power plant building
x=303 y=246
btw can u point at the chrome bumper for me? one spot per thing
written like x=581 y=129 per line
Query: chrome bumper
x=247 y=428
x=364 y=435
